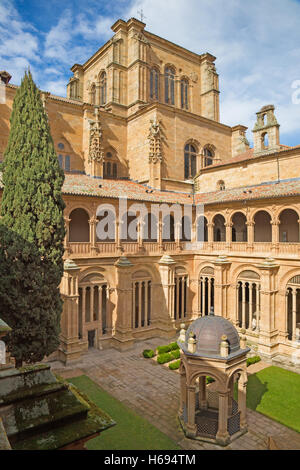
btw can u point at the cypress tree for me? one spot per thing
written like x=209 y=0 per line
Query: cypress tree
x=32 y=208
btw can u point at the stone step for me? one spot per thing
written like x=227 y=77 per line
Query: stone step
x=31 y=392
x=35 y=415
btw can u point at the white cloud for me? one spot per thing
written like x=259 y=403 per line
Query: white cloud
x=256 y=44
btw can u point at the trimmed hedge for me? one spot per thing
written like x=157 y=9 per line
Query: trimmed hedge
x=148 y=353
x=167 y=348
x=253 y=360
x=175 y=365
x=167 y=357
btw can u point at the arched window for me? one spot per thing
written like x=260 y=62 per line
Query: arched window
x=264 y=140
x=220 y=185
x=293 y=308
x=110 y=166
x=93 y=308
x=206 y=290
x=103 y=89
x=208 y=157
x=180 y=294
x=190 y=161
x=79 y=229
x=169 y=85
x=141 y=299
x=154 y=80
x=64 y=159
x=184 y=87
x=248 y=291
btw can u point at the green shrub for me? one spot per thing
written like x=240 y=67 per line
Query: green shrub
x=175 y=354
x=174 y=365
x=165 y=357
x=253 y=360
x=163 y=349
x=209 y=380
x=173 y=346
x=148 y=353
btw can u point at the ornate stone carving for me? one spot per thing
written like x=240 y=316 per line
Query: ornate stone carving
x=141 y=37
x=194 y=77
x=96 y=152
x=154 y=138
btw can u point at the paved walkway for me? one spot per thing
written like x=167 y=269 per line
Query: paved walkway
x=152 y=391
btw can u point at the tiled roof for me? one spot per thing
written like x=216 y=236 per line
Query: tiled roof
x=88 y=186
x=261 y=191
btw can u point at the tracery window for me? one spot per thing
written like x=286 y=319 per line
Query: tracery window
x=110 y=166
x=248 y=300
x=169 y=85
x=208 y=157
x=184 y=86
x=154 y=80
x=190 y=159
x=206 y=290
x=293 y=308
x=180 y=294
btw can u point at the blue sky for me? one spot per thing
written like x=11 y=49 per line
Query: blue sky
x=257 y=45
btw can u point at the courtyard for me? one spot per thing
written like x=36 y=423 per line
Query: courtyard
x=151 y=391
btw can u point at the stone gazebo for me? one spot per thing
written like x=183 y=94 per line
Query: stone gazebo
x=211 y=348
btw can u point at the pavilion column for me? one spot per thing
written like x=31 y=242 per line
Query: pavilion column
x=294 y=312
x=242 y=394
x=191 y=426
x=183 y=393
x=202 y=393
x=222 y=434
x=230 y=395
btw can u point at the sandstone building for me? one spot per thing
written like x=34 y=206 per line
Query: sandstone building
x=140 y=125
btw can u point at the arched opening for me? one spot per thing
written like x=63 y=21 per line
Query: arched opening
x=190 y=161
x=220 y=185
x=219 y=228
x=293 y=308
x=248 y=300
x=168 y=228
x=150 y=228
x=79 y=229
x=265 y=140
x=239 y=227
x=106 y=227
x=180 y=294
x=141 y=299
x=186 y=229
x=129 y=227
x=202 y=234
x=289 y=226
x=110 y=165
x=262 y=227
x=206 y=293
x=170 y=85
x=93 y=308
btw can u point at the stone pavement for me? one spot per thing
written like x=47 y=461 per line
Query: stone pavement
x=152 y=391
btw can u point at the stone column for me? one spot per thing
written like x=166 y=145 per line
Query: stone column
x=67 y=237
x=210 y=234
x=294 y=312
x=183 y=392
x=123 y=328
x=242 y=395
x=159 y=235
x=222 y=436
x=93 y=222
x=243 y=305
x=69 y=348
x=228 y=228
x=275 y=235
x=191 y=402
x=177 y=235
x=250 y=235
x=166 y=271
x=251 y=284
x=221 y=284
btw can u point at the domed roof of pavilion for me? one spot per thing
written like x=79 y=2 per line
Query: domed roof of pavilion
x=208 y=332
